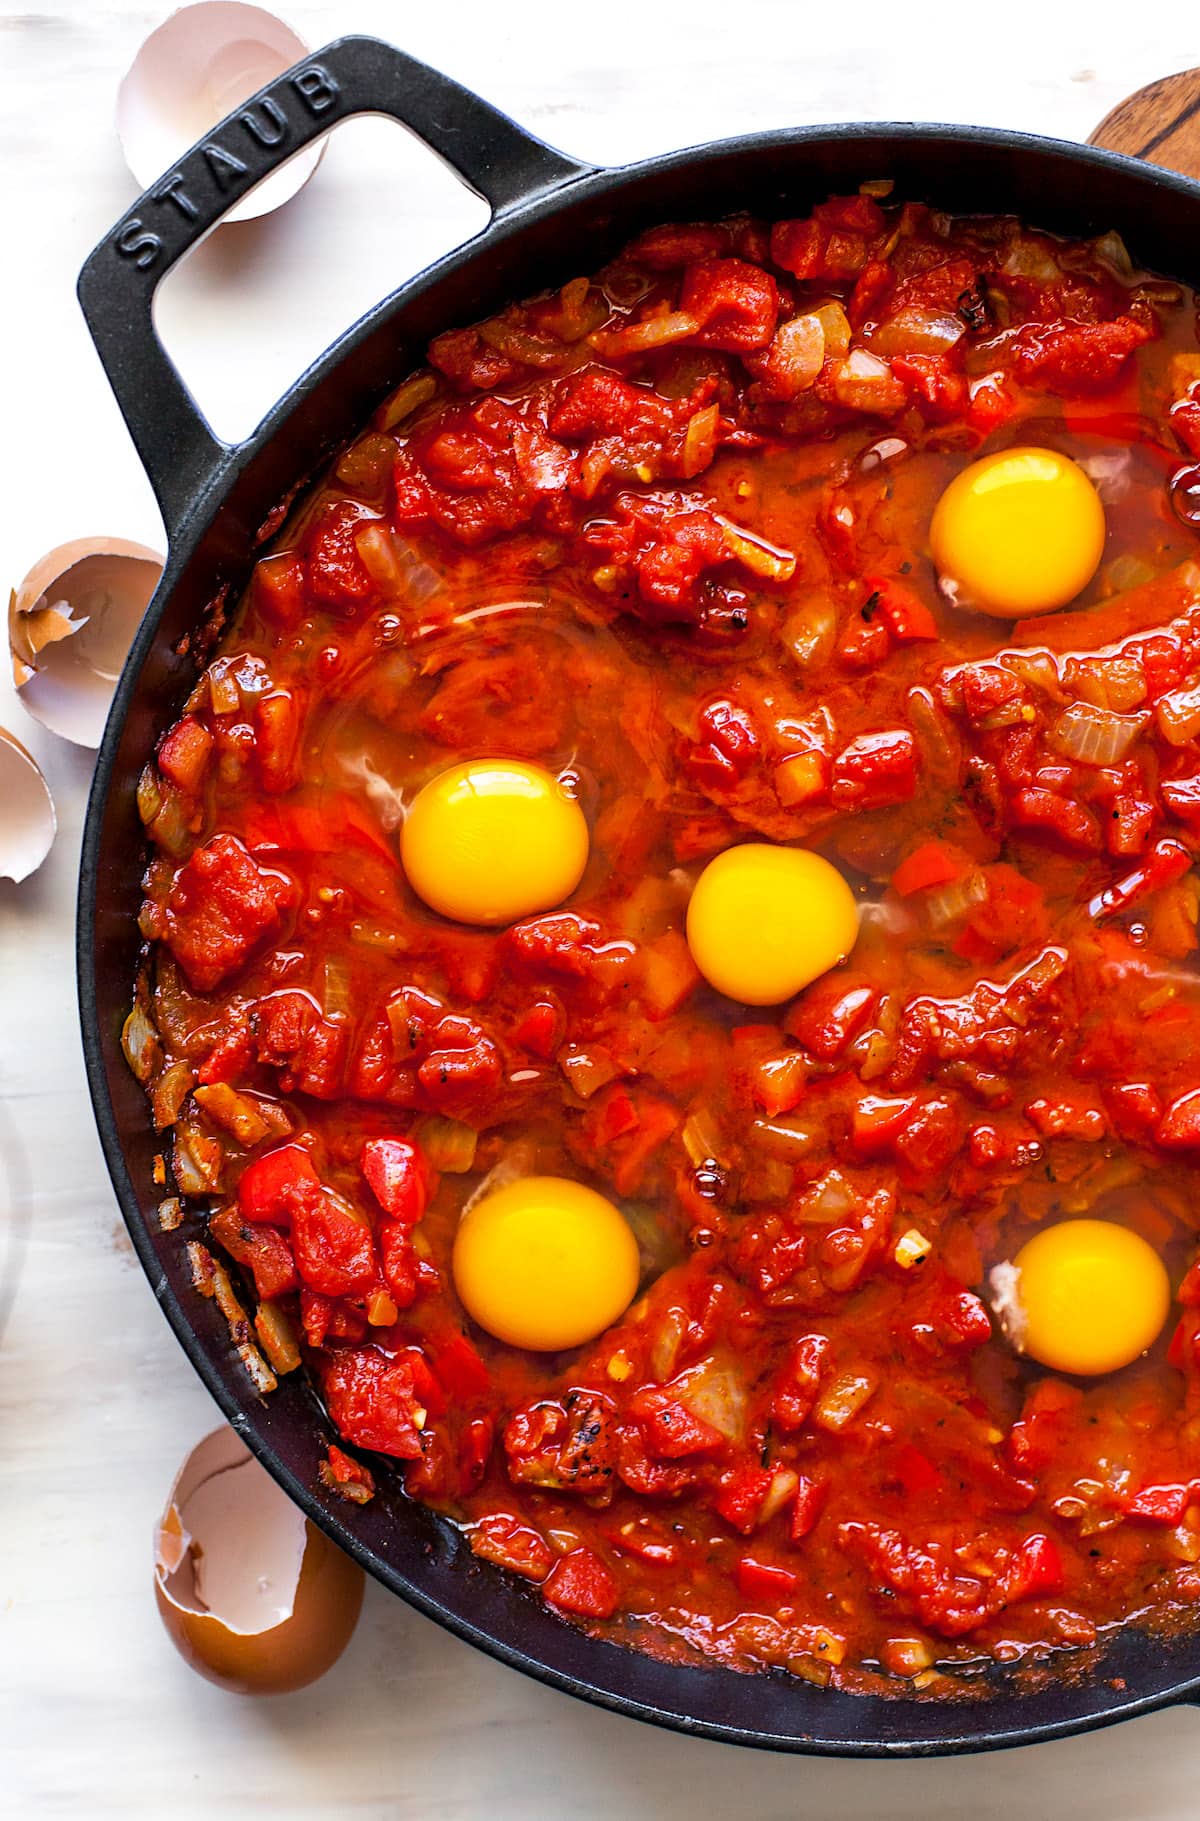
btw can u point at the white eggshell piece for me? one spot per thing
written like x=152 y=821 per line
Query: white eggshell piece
x=27 y=820
x=70 y=625
x=231 y=1542
x=192 y=71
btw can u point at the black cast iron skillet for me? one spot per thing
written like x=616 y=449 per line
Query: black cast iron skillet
x=551 y=219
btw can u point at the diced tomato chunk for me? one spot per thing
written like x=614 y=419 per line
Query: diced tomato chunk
x=222 y=906
x=670 y=1428
x=263 y=1251
x=278 y=592
x=404 y=1271
x=830 y=1014
x=740 y=1496
x=374 y=1401
x=334 y=1251
x=736 y=304
x=541 y=1029
x=328 y=1318
x=335 y=573
x=504 y=1539
x=184 y=753
x=727 y=748
x=580 y=1583
x=874 y=770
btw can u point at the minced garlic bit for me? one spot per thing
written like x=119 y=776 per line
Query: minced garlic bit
x=620 y=1367
x=912 y=1248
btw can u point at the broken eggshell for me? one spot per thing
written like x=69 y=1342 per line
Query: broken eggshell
x=28 y=823
x=192 y=71
x=70 y=625
x=253 y=1596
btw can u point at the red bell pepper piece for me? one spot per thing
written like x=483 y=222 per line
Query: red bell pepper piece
x=1158 y=1505
x=274 y=1185
x=807 y=1507
x=1179 y=1127
x=398 y=1176
x=1166 y=862
x=763 y=1580
x=901 y=609
x=740 y=1496
x=933 y=863
x=541 y=1029
x=1036 y=1569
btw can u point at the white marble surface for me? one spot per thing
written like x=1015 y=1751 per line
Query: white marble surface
x=98 y=1717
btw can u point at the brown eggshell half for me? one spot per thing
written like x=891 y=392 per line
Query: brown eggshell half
x=252 y=1595
x=27 y=820
x=70 y=625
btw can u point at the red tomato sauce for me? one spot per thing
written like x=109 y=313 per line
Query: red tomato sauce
x=666 y=530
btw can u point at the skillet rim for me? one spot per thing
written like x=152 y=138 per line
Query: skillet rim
x=915 y=1736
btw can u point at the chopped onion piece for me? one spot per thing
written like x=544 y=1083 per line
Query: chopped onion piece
x=448 y=1144
x=946 y=903
x=1096 y=736
x=798 y=351
x=1111 y=250
x=1128 y=571
x=917 y=331
x=139 y=1041
x=149 y=795
x=912 y=1248
x=828 y=1198
x=756 y=555
x=716 y=1395
x=1038 y=669
x=408 y=398
x=1028 y=259
x=809 y=632
x=835 y=326
x=277 y=1336
x=701 y=1138
x=841 y=1400
x=1178 y=715
x=783 y=1486
x=1118 y=683
x=863 y=382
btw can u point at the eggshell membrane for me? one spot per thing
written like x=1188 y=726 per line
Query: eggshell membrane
x=70 y=625
x=28 y=823
x=198 y=65
x=253 y=1596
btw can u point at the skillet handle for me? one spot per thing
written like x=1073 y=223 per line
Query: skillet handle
x=489 y=152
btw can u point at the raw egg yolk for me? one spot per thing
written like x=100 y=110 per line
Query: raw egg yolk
x=1087 y=1296
x=765 y=921
x=545 y=1263
x=1018 y=533
x=492 y=840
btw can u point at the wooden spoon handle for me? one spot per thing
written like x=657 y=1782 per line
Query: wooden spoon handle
x=1160 y=123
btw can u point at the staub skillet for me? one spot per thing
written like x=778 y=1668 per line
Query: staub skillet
x=551 y=217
